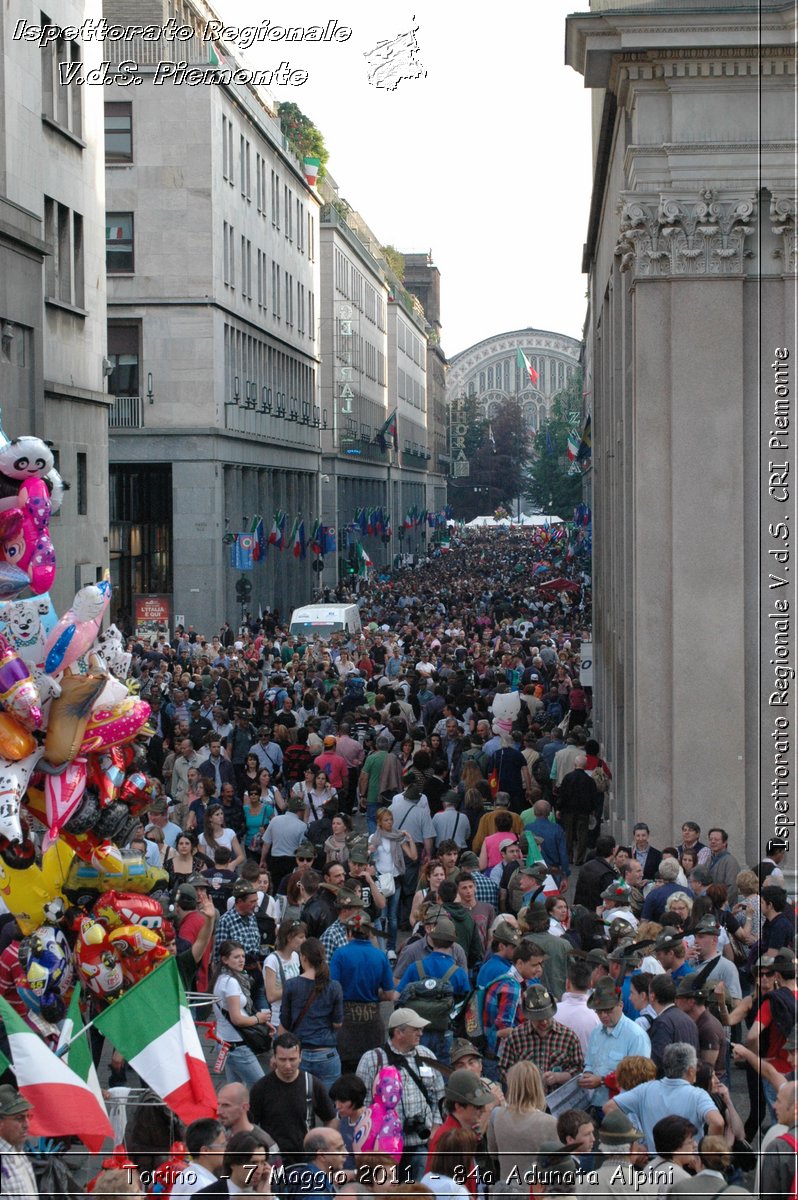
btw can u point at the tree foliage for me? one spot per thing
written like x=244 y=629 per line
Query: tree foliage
x=396 y=261
x=498 y=463
x=305 y=138
x=548 y=483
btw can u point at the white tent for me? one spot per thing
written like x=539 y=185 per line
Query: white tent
x=526 y=520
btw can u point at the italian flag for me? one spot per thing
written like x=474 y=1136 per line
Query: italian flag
x=311 y=168
x=525 y=365
x=363 y=560
x=151 y=1027
x=573 y=445
x=64 y=1099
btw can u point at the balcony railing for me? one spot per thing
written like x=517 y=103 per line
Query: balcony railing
x=126 y=412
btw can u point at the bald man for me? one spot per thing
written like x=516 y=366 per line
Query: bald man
x=233 y=1109
x=777 y=1163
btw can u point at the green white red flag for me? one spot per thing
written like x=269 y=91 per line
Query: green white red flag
x=152 y=1029
x=525 y=365
x=63 y=1102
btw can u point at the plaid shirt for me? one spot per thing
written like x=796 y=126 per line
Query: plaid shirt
x=486 y=889
x=333 y=938
x=500 y=1008
x=412 y=1103
x=16 y=1172
x=557 y=1049
x=233 y=927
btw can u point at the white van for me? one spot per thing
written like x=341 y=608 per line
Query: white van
x=323 y=620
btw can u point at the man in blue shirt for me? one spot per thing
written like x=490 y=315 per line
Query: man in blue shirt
x=326 y=1152
x=552 y=840
x=611 y=1041
x=365 y=976
x=440 y=964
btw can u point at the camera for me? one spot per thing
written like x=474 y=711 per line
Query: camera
x=417 y=1126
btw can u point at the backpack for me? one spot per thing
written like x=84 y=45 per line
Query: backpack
x=601 y=779
x=474 y=1009
x=540 y=772
x=432 y=999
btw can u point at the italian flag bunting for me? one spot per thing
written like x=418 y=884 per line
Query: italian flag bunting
x=151 y=1027
x=525 y=365
x=573 y=445
x=363 y=560
x=64 y=1100
x=274 y=535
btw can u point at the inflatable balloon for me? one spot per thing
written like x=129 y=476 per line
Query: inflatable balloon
x=111 y=645
x=135 y=875
x=62 y=795
x=29 y=893
x=15 y=742
x=26 y=458
x=18 y=693
x=380 y=1128
x=46 y=964
x=26 y=544
x=69 y=716
x=506 y=706
x=97 y=962
x=108 y=728
x=128 y=908
x=12 y=580
x=14 y=777
x=139 y=950
x=26 y=624
x=57 y=489
x=78 y=628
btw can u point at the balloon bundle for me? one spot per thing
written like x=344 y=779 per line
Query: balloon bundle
x=68 y=761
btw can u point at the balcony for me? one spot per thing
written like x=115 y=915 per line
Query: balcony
x=126 y=412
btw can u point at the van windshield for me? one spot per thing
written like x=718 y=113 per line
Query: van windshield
x=311 y=629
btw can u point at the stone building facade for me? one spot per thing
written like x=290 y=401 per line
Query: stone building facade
x=213 y=333
x=52 y=280
x=691 y=260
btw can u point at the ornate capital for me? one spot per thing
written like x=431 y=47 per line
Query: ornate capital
x=782 y=222
x=678 y=236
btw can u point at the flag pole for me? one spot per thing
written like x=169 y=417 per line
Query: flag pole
x=60 y=1051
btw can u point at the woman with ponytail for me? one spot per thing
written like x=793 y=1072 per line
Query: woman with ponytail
x=313 y=1010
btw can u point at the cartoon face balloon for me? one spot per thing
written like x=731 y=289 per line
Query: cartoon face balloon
x=26 y=458
x=97 y=961
x=46 y=964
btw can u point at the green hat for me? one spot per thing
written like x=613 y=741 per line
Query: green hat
x=347 y=898
x=464 y=1087
x=691 y=987
x=605 y=996
x=617 y=1130
x=444 y=931
x=538 y=1004
x=619 y=892
x=306 y=850
x=359 y=854
x=503 y=931
x=12 y=1102
x=461 y=1048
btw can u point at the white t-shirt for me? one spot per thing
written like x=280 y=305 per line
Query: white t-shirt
x=290 y=970
x=383 y=857
x=226 y=985
x=223 y=838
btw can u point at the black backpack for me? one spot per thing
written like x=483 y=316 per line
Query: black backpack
x=432 y=999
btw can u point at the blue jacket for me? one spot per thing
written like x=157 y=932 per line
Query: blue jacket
x=553 y=847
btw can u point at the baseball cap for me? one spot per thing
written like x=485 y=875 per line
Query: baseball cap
x=504 y=932
x=538 y=1003
x=505 y=842
x=463 y=1049
x=329 y=741
x=406 y=1016
x=241 y=888
x=464 y=1087
x=12 y=1102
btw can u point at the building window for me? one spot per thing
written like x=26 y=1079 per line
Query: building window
x=289 y=215
x=276 y=290
x=61 y=92
x=227 y=150
x=311 y=316
x=119 y=133
x=246 y=178
x=63 y=232
x=311 y=238
x=289 y=299
x=300 y=226
x=229 y=248
x=275 y=200
x=82 y=486
x=119 y=243
x=246 y=268
x=123 y=354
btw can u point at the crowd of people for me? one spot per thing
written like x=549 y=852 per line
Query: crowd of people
x=388 y=868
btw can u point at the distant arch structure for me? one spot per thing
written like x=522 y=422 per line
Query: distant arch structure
x=490 y=371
